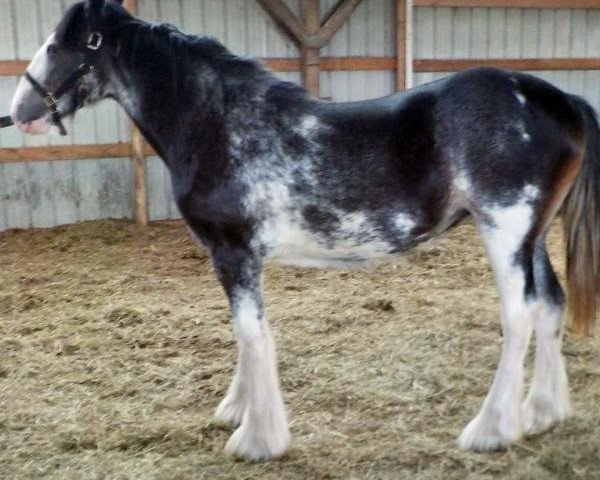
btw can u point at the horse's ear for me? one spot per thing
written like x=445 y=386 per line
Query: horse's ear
x=93 y=10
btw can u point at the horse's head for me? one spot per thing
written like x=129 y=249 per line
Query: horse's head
x=65 y=73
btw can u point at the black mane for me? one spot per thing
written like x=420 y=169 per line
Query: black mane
x=148 y=43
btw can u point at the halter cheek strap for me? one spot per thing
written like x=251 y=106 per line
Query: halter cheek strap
x=51 y=98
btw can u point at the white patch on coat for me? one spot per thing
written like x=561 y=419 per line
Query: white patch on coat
x=531 y=192
x=525 y=136
x=289 y=241
x=520 y=97
x=509 y=225
x=38 y=69
x=404 y=223
x=308 y=125
x=462 y=183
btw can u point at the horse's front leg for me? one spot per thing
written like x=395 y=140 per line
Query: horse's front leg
x=254 y=399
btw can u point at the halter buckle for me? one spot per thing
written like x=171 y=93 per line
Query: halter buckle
x=94 y=41
x=50 y=101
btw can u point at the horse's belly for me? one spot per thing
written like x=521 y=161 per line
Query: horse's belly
x=317 y=256
x=350 y=244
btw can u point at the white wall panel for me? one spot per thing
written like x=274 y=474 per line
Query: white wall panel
x=51 y=193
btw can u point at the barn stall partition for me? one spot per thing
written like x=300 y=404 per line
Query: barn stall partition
x=340 y=50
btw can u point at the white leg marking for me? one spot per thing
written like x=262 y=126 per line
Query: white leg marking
x=548 y=400
x=232 y=407
x=499 y=423
x=254 y=396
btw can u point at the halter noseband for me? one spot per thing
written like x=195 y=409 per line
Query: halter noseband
x=51 y=99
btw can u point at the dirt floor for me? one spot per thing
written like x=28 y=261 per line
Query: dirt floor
x=116 y=346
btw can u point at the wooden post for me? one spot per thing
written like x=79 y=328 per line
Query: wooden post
x=404 y=56
x=139 y=158
x=409 y=60
x=400 y=45
x=311 y=70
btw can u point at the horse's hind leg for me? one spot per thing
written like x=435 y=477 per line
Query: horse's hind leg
x=506 y=232
x=548 y=400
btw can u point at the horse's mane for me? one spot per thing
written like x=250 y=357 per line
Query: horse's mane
x=179 y=49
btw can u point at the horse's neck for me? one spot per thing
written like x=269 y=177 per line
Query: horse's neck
x=174 y=120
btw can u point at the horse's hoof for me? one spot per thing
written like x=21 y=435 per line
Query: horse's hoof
x=258 y=446
x=542 y=412
x=489 y=433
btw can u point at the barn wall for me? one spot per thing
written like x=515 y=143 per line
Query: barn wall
x=43 y=194
x=447 y=33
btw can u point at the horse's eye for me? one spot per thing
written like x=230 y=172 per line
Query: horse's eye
x=52 y=49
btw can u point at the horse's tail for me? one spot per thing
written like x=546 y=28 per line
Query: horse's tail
x=582 y=229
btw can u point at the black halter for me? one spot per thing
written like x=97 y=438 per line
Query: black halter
x=51 y=99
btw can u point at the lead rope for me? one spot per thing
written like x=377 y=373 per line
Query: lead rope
x=6 y=122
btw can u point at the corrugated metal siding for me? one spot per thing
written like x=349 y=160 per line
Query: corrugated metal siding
x=43 y=194
x=512 y=33
x=51 y=193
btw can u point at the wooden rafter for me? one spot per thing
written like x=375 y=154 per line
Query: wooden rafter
x=286 y=19
x=309 y=33
x=298 y=31
x=335 y=19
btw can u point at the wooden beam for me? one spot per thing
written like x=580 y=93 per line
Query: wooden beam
x=332 y=64
x=567 y=4
x=310 y=69
x=68 y=152
x=335 y=19
x=358 y=64
x=532 y=64
x=284 y=17
x=9 y=68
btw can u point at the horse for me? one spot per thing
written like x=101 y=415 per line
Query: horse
x=261 y=171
